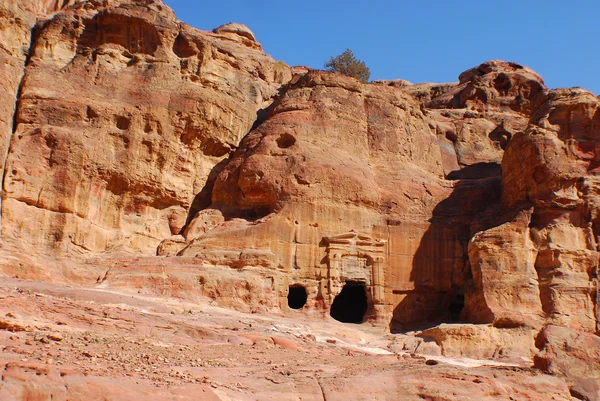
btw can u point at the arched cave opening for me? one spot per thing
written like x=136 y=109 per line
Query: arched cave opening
x=350 y=305
x=297 y=296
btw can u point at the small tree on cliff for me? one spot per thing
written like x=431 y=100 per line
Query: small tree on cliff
x=349 y=65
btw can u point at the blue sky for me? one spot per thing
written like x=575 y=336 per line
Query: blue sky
x=421 y=41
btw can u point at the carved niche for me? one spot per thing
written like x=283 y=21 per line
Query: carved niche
x=355 y=257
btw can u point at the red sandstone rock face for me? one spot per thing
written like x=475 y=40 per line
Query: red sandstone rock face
x=491 y=102
x=573 y=354
x=549 y=173
x=122 y=114
x=325 y=141
x=16 y=22
x=135 y=135
x=335 y=156
x=549 y=181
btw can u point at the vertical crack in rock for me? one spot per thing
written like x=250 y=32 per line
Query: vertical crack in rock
x=321 y=388
x=536 y=266
x=32 y=40
x=595 y=298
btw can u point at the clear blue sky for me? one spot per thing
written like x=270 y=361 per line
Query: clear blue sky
x=422 y=41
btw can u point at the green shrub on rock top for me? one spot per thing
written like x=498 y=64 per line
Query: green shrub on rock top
x=349 y=65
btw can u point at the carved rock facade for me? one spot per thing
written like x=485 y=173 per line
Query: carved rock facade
x=357 y=259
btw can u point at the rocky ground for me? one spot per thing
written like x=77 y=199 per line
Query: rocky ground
x=76 y=343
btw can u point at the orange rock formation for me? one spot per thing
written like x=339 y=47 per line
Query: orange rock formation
x=151 y=156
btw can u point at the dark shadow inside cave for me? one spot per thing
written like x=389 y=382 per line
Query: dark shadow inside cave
x=351 y=303
x=476 y=171
x=297 y=296
x=456 y=307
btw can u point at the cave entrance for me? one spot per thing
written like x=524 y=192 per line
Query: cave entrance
x=350 y=305
x=297 y=296
x=456 y=306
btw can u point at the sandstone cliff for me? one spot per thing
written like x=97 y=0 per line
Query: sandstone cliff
x=122 y=113
x=173 y=161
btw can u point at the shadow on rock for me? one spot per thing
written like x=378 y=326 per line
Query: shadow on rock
x=441 y=273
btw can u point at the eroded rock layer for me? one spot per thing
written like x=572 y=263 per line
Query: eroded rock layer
x=146 y=155
x=122 y=114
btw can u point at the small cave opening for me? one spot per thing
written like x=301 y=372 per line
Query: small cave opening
x=351 y=304
x=297 y=296
x=457 y=304
x=123 y=122
x=285 y=141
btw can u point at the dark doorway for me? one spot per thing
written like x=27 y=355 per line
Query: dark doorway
x=456 y=307
x=350 y=305
x=297 y=296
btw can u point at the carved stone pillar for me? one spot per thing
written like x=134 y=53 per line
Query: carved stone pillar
x=378 y=281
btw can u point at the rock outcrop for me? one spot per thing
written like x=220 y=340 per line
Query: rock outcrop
x=142 y=154
x=122 y=114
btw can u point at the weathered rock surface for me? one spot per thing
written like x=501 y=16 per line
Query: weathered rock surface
x=144 y=155
x=84 y=343
x=16 y=22
x=573 y=354
x=548 y=253
x=122 y=114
